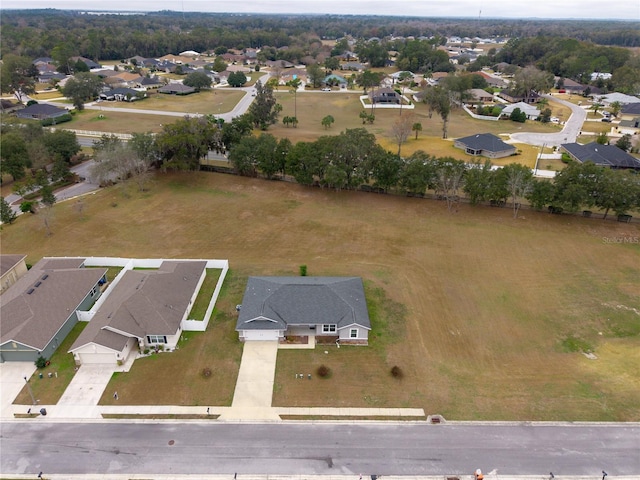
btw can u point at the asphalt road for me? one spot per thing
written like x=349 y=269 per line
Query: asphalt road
x=287 y=449
x=569 y=133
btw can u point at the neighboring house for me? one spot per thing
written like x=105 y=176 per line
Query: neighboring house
x=334 y=79
x=41 y=111
x=43 y=61
x=530 y=111
x=279 y=64
x=631 y=127
x=512 y=97
x=384 y=95
x=352 y=66
x=486 y=145
x=176 y=89
x=122 y=95
x=40 y=309
x=479 y=95
x=91 y=65
x=492 y=80
x=629 y=111
x=610 y=98
x=51 y=77
x=331 y=307
x=574 y=87
x=145 y=309
x=604 y=155
x=435 y=78
x=12 y=267
x=151 y=83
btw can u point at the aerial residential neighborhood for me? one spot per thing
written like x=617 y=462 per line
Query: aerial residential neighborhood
x=247 y=245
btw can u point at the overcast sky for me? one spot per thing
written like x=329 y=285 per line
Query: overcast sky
x=593 y=9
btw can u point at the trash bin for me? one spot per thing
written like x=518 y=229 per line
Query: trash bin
x=43 y=411
x=40 y=375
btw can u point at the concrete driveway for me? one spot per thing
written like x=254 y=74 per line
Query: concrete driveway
x=11 y=383
x=81 y=397
x=254 y=387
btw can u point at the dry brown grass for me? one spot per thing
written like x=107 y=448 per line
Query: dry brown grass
x=204 y=102
x=489 y=300
x=116 y=122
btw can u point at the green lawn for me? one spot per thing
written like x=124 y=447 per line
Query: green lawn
x=480 y=311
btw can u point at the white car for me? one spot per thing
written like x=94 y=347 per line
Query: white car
x=326 y=89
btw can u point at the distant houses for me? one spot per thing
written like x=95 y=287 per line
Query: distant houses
x=608 y=156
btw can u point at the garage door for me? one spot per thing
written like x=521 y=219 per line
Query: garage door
x=261 y=334
x=93 y=358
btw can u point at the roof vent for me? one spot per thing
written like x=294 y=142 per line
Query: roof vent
x=38 y=284
x=45 y=276
x=30 y=291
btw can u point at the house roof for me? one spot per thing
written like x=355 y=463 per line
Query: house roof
x=273 y=303
x=485 y=141
x=478 y=93
x=144 y=302
x=618 y=97
x=604 y=155
x=41 y=110
x=631 y=109
x=35 y=308
x=176 y=88
x=530 y=110
x=7 y=262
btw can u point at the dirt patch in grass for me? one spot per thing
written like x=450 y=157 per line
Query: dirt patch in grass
x=488 y=299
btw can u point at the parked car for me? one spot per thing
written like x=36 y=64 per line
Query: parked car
x=326 y=89
x=606 y=119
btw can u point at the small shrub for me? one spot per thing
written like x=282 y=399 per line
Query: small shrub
x=41 y=362
x=146 y=351
x=323 y=371
x=303 y=270
x=396 y=372
x=206 y=372
x=573 y=344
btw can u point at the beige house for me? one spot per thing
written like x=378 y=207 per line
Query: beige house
x=12 y=267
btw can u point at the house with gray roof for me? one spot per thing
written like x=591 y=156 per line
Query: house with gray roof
x=486 y=145
x=144 y=309
x=176 y=89
x=41 y=111
x=39 y=310
x=331 y=308
x=530 y=111
x=608 y=156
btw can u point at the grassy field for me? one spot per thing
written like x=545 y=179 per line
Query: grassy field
x=116 y=122
x=205 y=102
x=481 y=312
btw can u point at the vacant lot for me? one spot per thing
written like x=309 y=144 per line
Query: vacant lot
x=481 y=312
x=207 y=101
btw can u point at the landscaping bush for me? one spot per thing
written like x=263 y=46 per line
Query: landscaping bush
x=54 y=121
x=396 y=372
x=206 y=372
x=323 y=371
x=41 y=362
x=303 y=270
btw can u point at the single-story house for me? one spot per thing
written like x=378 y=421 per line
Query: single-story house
x=41 y=111
x=513 y=97
x=610 y=98
x=151 y=83
x=352 y=66
x=492 y=80
x=479 y=95
x=334 y=308
x=40 y=309
x=486 y=145
x=334 y=79
x=176 y=89
x=384 y=95
x=604 y=155
x=530 y=111
x=12 y=268
x=145 y=309
x=122 y=95
x=631 y=127
x=629 y=111
x=279 y=64
x=574 y=87
x=91 y=65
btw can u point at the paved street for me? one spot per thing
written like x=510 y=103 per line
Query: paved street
x=569 y=133
x=302 y=449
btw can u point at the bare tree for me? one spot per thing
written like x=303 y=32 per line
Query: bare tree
x=402 y=129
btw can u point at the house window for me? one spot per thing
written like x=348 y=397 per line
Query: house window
x=353 y=333
x=329 y=328
x=156 y=339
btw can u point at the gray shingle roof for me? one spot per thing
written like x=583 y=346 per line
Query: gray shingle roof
x=7 y=262
x=273 y=303
x=144 y=302
x=34 y=318
x=604 y=155
x=485 y=141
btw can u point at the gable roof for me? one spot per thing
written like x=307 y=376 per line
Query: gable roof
x=176 y=88
x=35 y=308
x=8 y=261
x=603 y=155
x=529 y=110
x=486 y=142
x=273 y=303
x=631 y=109
x=144 y=302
